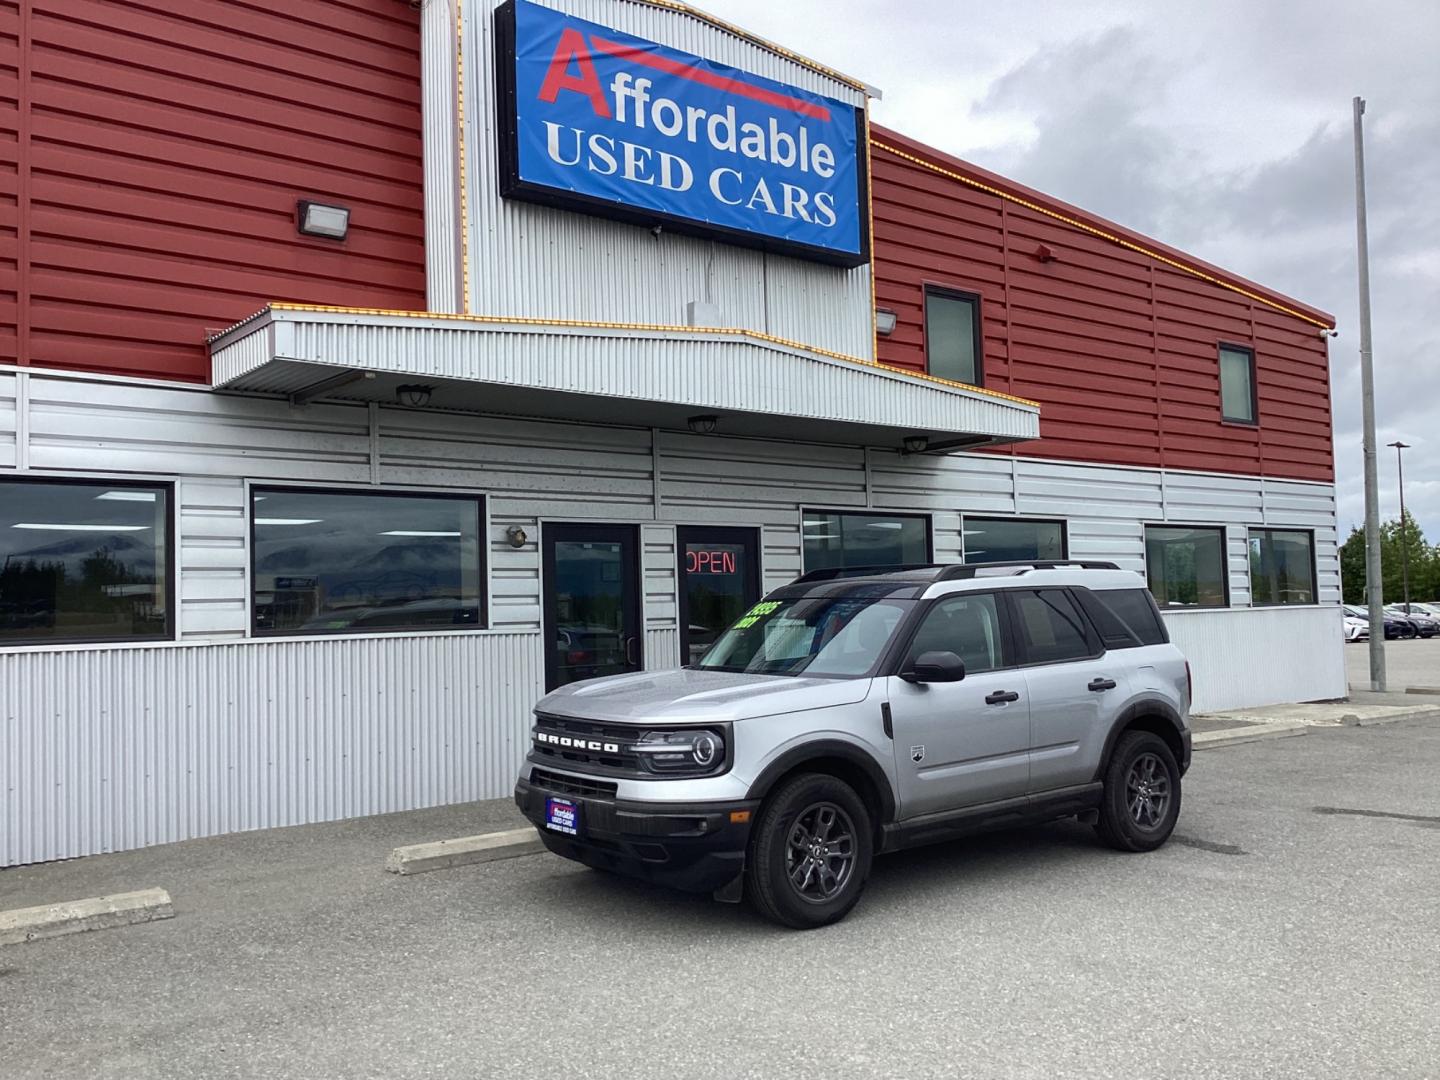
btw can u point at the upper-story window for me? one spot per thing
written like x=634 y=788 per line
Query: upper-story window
x=952 y=335
x=1237 y=385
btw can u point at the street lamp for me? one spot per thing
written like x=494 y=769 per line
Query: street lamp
x=1404 y=536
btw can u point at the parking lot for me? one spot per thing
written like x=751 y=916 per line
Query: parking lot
x=1287 y=930
x=1415 y=662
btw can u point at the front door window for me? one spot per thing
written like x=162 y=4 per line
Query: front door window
x=592 y=603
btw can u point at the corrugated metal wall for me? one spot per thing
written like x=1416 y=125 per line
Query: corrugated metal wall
x=1121 y=350
x=102 y=748
x=1261 y=656
x=109 y=749
x=537 y=262
x=207 y=122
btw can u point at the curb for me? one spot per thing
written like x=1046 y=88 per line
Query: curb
x=20 y=925
x=1429 y=712
x=1279 y=729
x=443 y=854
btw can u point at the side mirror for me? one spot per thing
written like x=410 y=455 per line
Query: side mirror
x=935 y=667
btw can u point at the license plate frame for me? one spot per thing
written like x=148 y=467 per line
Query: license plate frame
x=562 y=816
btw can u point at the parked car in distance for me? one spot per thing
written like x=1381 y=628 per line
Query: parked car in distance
x=1356 y=629
x=851 y=713
x=1394 y=627
x=1426 y=626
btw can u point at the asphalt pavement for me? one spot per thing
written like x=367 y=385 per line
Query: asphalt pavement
x=1407 y=663
x=1288 y=930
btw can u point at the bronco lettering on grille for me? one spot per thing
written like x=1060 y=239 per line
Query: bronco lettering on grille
x=547 y=739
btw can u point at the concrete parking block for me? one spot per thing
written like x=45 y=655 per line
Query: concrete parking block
x=20 y=925
x=1433 y=690
x=1279 y=729
x=443 y=854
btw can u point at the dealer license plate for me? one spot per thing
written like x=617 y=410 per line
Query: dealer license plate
x=562 y=816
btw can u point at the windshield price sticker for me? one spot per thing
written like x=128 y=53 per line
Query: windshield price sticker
x=756 y=613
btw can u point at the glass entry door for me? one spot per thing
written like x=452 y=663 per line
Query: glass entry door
x=719 y=581
x=592 y=602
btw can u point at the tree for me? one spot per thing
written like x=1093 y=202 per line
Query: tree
x=1394 y=540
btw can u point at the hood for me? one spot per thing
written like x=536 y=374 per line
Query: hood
x=692 y=696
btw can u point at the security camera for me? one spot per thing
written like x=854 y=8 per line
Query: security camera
x=1329 y=333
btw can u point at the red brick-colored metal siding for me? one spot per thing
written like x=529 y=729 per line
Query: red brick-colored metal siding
x=1119 y=348
x=151 y=156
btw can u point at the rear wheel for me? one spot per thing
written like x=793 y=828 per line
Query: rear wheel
x=1141 y=801
x=811 y=853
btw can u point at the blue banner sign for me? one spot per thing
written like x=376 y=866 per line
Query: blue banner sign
x=595 y=120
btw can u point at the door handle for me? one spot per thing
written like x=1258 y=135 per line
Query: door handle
x=630 y=643
x=1102 y=684
x=1001 y=697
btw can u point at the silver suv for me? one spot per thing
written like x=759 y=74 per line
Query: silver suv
x=854 y=713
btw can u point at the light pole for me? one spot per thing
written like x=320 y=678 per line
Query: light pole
x=1404 y=536
x=1374 y=586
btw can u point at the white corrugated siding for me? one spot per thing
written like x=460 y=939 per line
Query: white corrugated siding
x=443 y=249
x=9 y=393
x=1261 y=656
x=534 y=261
x=111 y=749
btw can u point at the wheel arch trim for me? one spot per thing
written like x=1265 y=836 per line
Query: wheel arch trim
x=852 y=754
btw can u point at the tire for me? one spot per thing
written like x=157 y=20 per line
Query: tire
x=1131 y=819
x=798 y=885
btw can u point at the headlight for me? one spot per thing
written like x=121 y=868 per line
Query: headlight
x=697 y=751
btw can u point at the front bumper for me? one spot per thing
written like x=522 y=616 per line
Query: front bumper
x=696 y=847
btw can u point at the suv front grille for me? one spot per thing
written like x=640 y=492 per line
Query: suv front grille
x=596 y=745
x=573 y=785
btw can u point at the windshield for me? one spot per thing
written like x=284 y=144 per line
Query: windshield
x=842 y=636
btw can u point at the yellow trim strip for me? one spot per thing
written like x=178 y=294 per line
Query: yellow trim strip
x=678 y=331
x=1055 y=214
x=755 y=39
x=460 y=137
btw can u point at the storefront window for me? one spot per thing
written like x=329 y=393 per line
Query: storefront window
x=1282 y=567
x=1186 y=566
x=845 y=540
x=337 y=562
x=1012 y=539
x=83 y=562
x=719 y=581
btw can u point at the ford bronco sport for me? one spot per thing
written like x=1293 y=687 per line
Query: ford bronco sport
x=854 y=713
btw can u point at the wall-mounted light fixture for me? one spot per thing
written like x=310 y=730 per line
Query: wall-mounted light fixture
x=1045 y=254
x=916 y=444
x=412 y=395
x=884 y=321
x=322 y=219
x=701 y=425
x=515 y=536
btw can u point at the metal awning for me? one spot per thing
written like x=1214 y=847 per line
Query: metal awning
x=755 y=385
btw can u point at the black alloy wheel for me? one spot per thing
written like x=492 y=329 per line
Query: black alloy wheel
x=810 y=852
x=1141 y=800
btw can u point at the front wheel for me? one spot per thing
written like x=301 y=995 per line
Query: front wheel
x=812 y=850
x=1141 y=801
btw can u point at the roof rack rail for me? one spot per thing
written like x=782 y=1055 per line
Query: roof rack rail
x=835 y=573
x=1021 y=566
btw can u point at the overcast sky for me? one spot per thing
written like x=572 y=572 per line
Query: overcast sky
x=1222 y=128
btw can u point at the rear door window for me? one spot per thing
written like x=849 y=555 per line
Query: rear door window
x=1051 y=628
